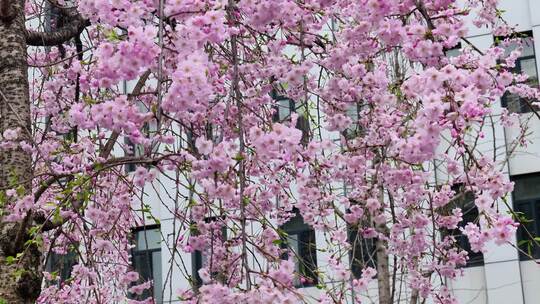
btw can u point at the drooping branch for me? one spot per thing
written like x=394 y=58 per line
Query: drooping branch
x=61 y=35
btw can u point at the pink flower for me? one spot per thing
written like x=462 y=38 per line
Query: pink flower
x=130 y=277
x=11 y=134
x=203 y=146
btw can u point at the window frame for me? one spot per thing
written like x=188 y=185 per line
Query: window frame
x=366 y=256
x=148 y=129
x=524 y=107
x=518 y=206
x=149 y=253
x=63 y=265
x=302 y=122
x=307 y=267
x=470 y=215
x=197 y=256
x=349 y=133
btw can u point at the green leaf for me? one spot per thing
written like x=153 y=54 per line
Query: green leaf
x=10 y=260
x=523 y=242
x=192 y=203
x=3 y=198
x=57 y=218
x=20 y=190
x=282 y=233
x=112 y=36
x=18 y=273
x=238 y=157
x=245 y=200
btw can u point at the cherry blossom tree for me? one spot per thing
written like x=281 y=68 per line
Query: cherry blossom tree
x=257 y=112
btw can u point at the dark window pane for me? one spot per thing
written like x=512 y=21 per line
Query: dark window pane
x=61 y=265
x=156 y=275
x=527 y=43
x=131 y=150
x=514 y=103
x=526 y=187
x=148 y=239
x=527 y=203
x=202 y=259
x=308 y=254
x=528 y=67
x=285 y=107
x=146 y=259
x=526 y=64
x=354 y=130
x=302 y=124
x=142 y=262
x=470 y=215
x=301 y=244
x=282 y=112
x=528 y=228
x=453 y=52
x=363 y=252
x=196 y=265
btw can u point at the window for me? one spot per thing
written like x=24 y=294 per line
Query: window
x=363 y=251
x=526 y=64
x=200 y=259
x=149 y=128
x=60 y=265
x=301 y=245
x=527 y=203
x=212 y=132
x=283 y=109
x=138 y=150
x=470 y=215
x=133 y=150
x=146 y=259
x=354 y=130
x=453 y=52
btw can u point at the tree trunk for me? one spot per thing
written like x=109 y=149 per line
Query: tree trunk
x=383 y=273
x=20 y=279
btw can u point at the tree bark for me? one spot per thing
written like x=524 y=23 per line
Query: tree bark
x=383 y=272
x=20 y=280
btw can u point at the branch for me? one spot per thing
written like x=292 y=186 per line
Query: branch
x=61 y=35
x=422 y=9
